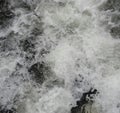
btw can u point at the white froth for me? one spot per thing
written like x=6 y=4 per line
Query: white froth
x=77 y=45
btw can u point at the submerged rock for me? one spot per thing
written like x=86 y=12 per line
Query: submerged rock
x=40 y=71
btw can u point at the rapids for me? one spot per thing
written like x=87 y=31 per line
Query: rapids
x=53 y=51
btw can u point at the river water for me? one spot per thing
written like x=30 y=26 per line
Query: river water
x=53 y=51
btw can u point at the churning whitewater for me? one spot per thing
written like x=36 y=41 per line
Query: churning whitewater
x=59 y=56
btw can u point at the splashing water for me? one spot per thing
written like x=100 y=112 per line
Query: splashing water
x=53 y=51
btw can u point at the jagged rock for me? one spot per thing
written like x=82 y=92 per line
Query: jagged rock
x=40 y=71
x=84 y=105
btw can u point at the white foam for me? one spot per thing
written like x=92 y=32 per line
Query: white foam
x=78 y=47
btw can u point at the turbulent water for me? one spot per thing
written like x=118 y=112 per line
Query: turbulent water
x=53 y=51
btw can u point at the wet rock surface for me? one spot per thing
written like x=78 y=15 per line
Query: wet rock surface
x=85 y=101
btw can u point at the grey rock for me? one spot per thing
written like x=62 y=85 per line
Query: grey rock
x=85 y=103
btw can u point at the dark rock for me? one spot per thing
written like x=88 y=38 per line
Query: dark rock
x=40 y=71
x=85 y=99
x=75 y=110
